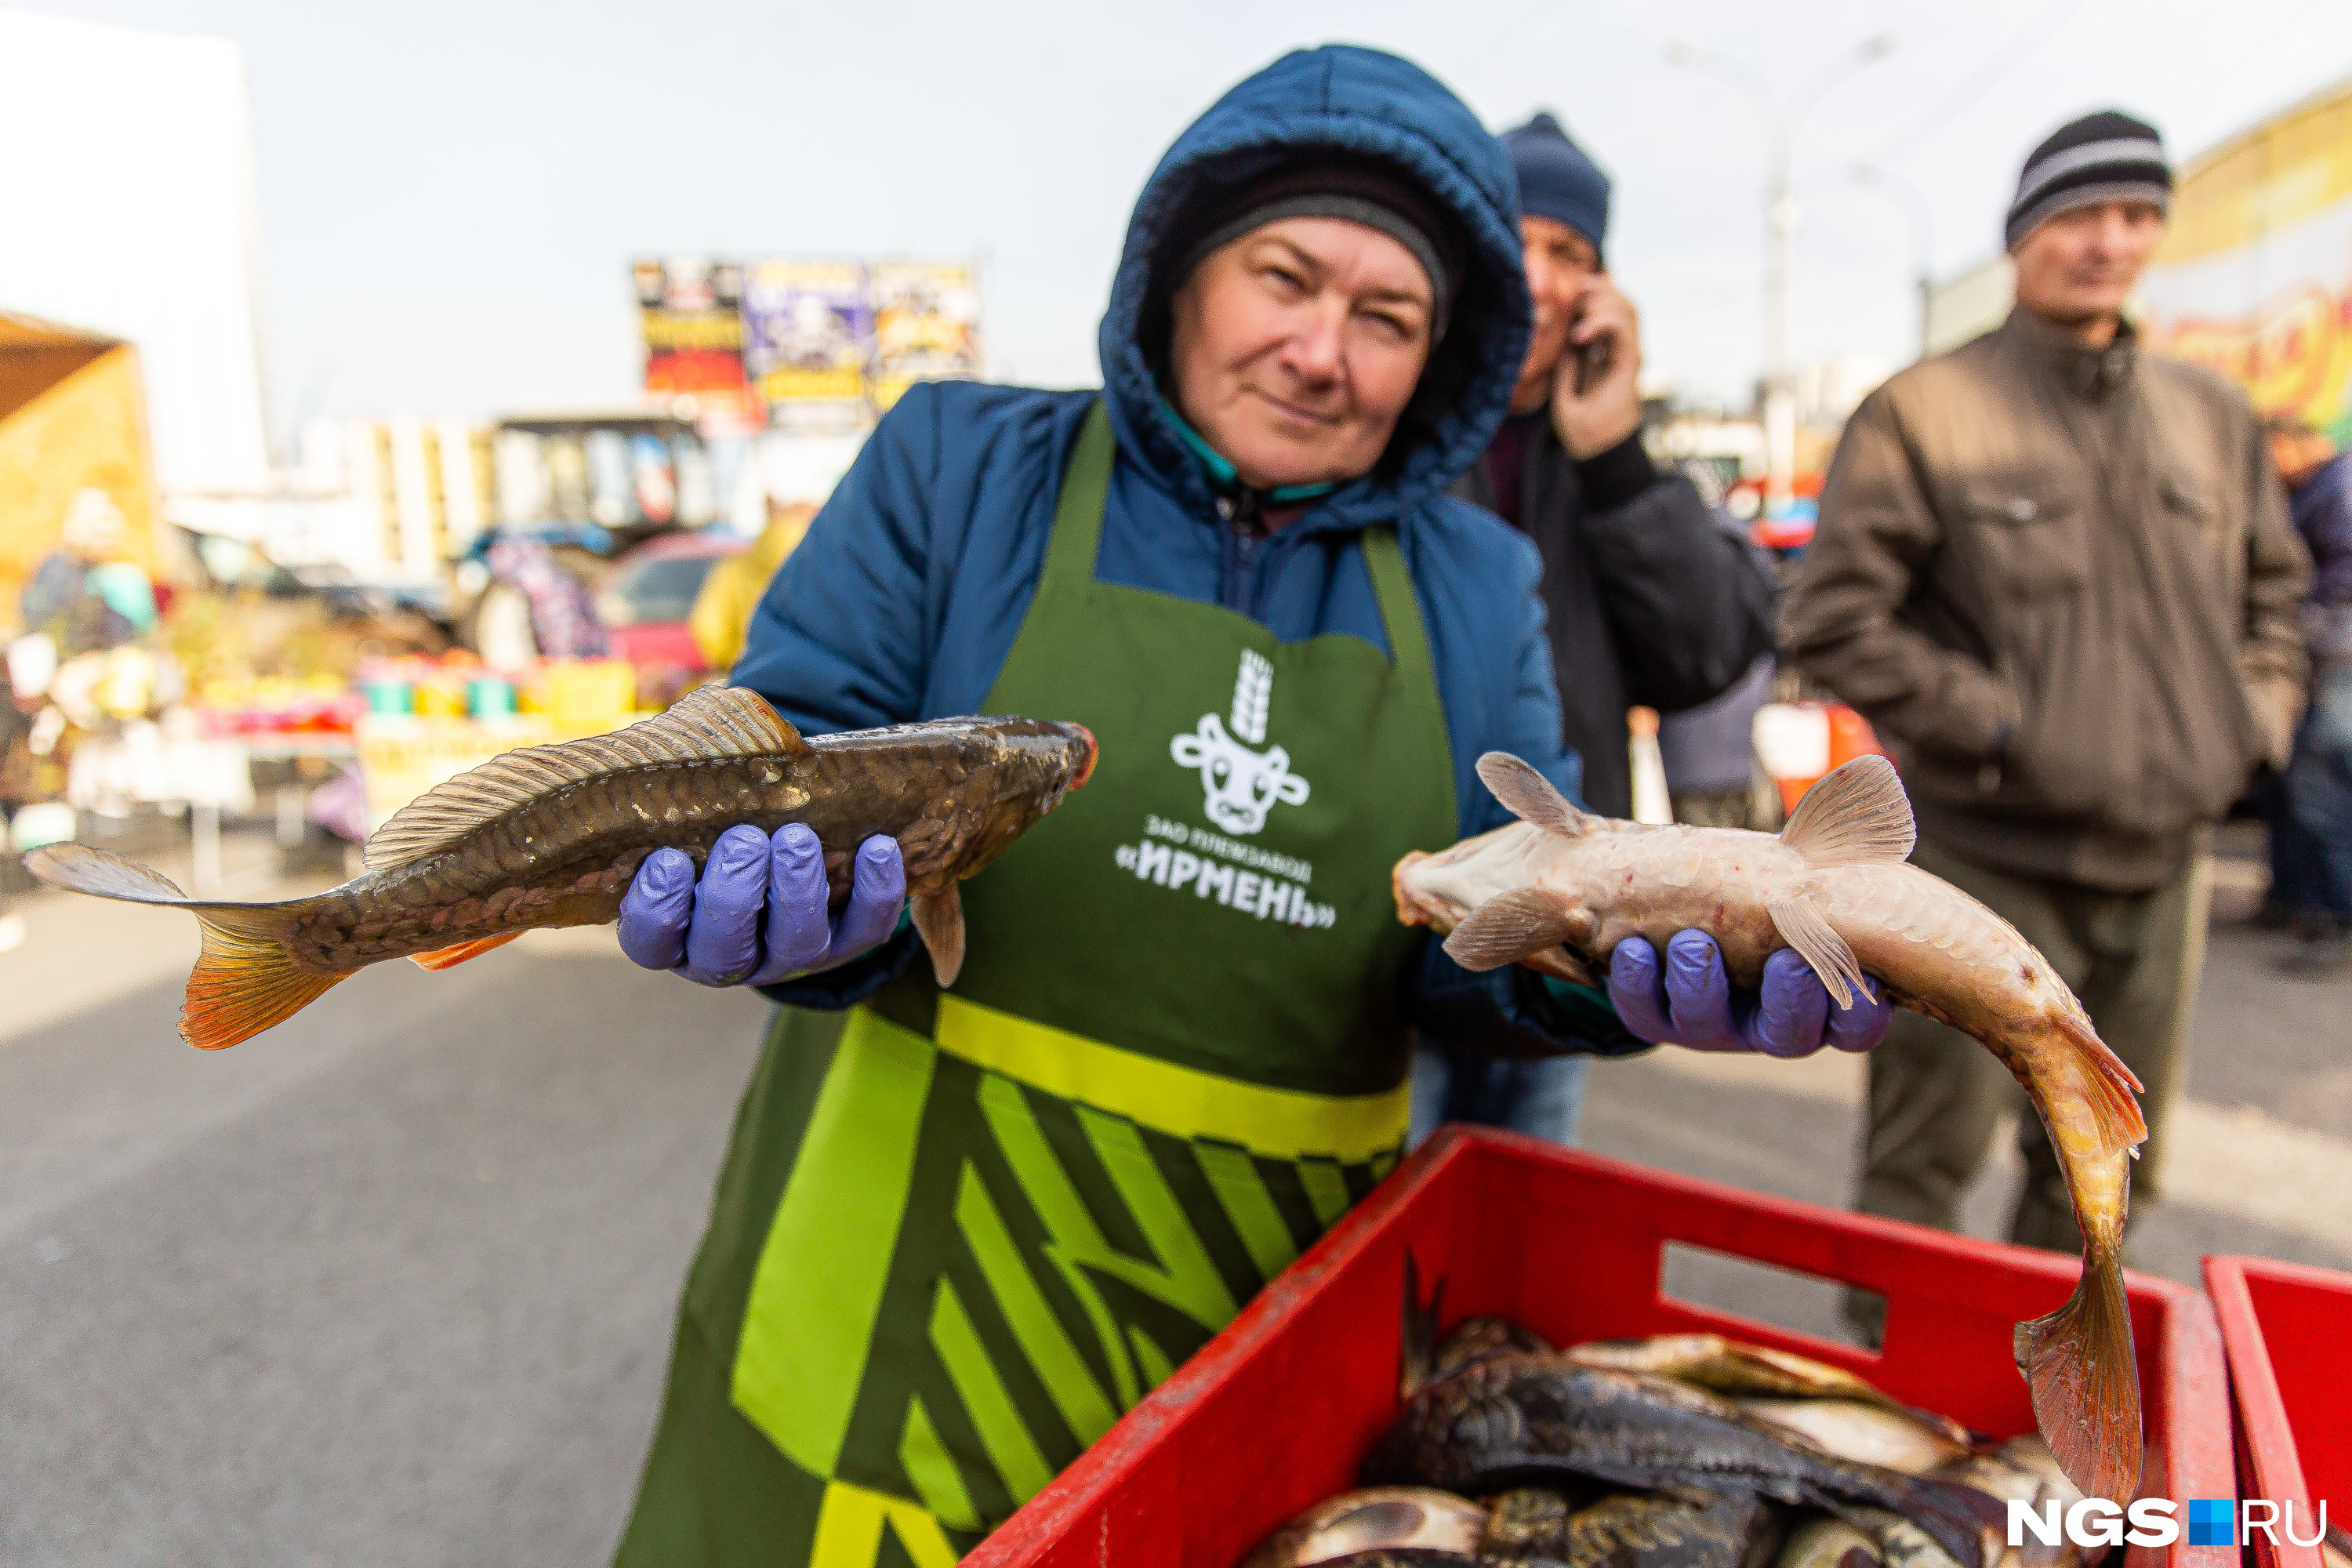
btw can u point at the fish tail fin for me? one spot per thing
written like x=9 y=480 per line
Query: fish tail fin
x=2079 y=1363
x=2110 y=1088
x=245 y=979
x=102 y=874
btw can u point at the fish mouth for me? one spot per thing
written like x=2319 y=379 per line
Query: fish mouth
x=1417 y=908
x=1094 y=753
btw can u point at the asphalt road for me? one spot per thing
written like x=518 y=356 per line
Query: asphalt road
x=393 y=1283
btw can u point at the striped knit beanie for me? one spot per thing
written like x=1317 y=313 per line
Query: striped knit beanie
x=2102 y=157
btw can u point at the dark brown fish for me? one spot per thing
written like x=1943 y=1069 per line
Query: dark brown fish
x=1528 y=1520
x=1475 y=1340
x=1529 y=1419
x=1681 y=1526
x=551 y=836
x=1424 y=1359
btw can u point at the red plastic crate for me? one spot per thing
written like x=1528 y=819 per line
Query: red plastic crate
x=1275 y=1413
x=2287 y=1331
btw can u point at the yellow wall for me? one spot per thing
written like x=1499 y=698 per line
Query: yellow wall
x=2287 y=168
x=2255 y=279
x=85 y=430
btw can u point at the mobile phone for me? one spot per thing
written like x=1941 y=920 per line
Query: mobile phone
x=1592 y=359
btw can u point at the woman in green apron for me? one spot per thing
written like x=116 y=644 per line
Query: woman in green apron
x=959 y=1232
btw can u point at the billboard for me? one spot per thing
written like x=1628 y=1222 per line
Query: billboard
x=2254 y=280
x=808 y=335
x=812 y=344
x=926 y=324
x=690 y=318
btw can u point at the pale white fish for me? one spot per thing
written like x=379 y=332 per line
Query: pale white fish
x=1559 y=889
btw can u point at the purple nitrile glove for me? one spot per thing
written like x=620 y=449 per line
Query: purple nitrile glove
x=712 y=931
x=1692 y=1004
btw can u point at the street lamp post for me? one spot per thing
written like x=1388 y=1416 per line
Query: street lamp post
x=1915 y=205
x=1780 y=127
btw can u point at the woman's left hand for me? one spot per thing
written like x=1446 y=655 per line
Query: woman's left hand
x=1689 y=1000
x=758 y=913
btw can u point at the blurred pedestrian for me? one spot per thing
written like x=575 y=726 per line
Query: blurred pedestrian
x=562 y=617
x=1648 y=601
x=2312 y=828
x=1709 y=753
x=2056 y=574
x=83 y=595
x=722 y=617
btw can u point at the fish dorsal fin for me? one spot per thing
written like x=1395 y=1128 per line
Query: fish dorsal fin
x=1530 y=796
x=714 y=722
x=1856 y=816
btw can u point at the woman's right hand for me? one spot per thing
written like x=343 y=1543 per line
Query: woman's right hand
x=758 y=914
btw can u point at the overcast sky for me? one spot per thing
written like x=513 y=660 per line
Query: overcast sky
x=450 y=191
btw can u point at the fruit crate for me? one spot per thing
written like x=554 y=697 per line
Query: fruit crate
x=2288 y=1332
x=1275 y=1413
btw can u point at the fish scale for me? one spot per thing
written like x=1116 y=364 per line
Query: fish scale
x=1558 y=889
x=554 y=836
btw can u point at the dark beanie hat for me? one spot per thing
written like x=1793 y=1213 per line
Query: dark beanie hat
x=1329 y=184
x=1556 y=180
x=2102 y=157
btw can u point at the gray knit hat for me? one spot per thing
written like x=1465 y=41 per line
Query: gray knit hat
x=2102 y=157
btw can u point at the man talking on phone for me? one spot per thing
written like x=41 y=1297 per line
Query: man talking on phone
x=1652 y=600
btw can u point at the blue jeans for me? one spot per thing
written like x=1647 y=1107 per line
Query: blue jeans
x=2298 y=876
x=2319 y=787
x=1543 y=1097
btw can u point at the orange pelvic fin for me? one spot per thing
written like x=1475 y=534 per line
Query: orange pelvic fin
x=442 y=958
x=2111 y=1089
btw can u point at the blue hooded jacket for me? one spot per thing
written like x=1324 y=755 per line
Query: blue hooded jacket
x=903 y=600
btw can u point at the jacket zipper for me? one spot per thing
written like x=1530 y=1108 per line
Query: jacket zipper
x=1237 y=587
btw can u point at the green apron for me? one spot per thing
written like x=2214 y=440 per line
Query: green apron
x=958 y=1234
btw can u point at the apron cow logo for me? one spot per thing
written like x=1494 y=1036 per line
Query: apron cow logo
x=1241 y=784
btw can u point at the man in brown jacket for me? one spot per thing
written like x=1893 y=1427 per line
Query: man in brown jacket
x=2057 y=574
